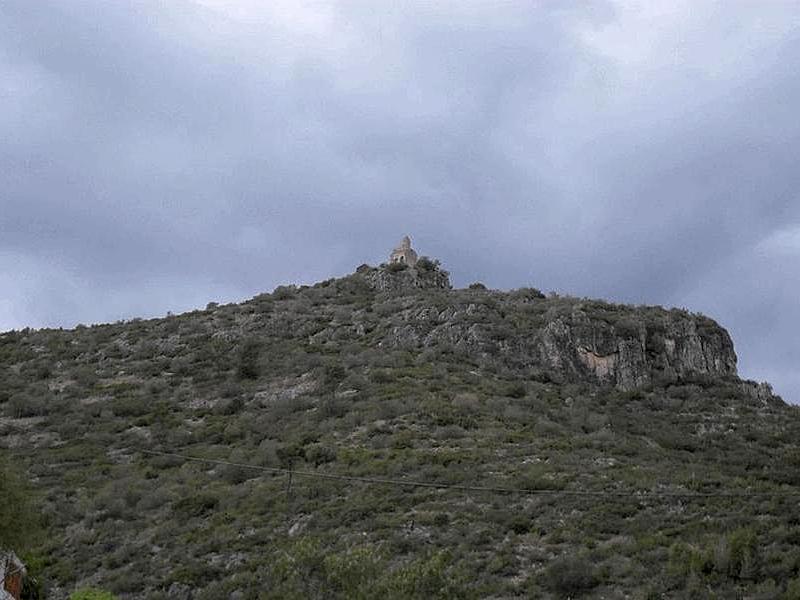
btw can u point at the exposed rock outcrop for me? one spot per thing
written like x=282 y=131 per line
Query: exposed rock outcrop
x=572 y=340
x=399 y=278
x=648 y=344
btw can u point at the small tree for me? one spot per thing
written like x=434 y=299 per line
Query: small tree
x=516 y=390
x=396 y=267
x=570 y=576
x=248 y=360
x=426 y=264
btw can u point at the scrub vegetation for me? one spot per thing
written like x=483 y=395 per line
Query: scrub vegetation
x=547 y=485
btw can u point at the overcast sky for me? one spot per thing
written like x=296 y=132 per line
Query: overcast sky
x=155 y=156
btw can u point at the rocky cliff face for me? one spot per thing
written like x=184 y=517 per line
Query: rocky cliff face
x=402 y=279
x=565 y=339
x=664 y=345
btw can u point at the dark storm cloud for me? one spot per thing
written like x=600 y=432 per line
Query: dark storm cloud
x=155 y=156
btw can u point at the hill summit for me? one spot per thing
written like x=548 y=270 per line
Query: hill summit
x=385 y=435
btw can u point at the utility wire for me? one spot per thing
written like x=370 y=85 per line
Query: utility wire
x=470 y=488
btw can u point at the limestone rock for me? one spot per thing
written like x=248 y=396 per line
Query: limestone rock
x=571 y=340
x=403 y=279
x=670 y=345
x=285 y=390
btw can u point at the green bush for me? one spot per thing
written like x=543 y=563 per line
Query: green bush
x=23 y=406
x=527 y=293
x=197 y=505
x=426 y=264
x=248 y=360
x=284 y=292
x=737 y=554
x=570 y=576
x=396 y=267
x=317 y=454
x=627 y=328
x=91 y=594
x=792 y=590
x=516 y=390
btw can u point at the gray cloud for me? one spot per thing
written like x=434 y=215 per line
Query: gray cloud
x=157 y=156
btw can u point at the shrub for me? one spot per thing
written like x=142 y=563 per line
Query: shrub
x=382 y=376
x=516 y=390
x=91 y=594
x=570 y=576
x=627 y=328
x=527 y=293
x=248 y=360
x=24 y=405
x=334 y=373
x=333 y=408
x=396 y=267
x=229 y=406
x=234 y=474
x=319 y=454
x=520 y=525
x=477 y=286
x=33 y=581
x=793 y=590
x=131 y=407
x=197 y=505
x=352 y=572
x=426 y=264
x=737 y=556
x=426 y=577
x=284 y=292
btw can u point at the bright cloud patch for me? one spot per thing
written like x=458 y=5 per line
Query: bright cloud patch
x=785 y=241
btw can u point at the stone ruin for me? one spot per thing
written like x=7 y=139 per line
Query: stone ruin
x=405 y=272
x=404 y=253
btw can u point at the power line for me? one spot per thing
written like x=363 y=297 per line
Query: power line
x=471 y=488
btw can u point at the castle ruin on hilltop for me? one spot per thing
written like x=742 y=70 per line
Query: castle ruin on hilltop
x=404 y=253
x=405 y=272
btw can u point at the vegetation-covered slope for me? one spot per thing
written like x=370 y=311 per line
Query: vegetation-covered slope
x=572 y=447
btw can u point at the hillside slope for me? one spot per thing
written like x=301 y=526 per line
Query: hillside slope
x=442 y=443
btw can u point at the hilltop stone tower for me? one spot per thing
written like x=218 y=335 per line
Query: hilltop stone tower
x=404 y=253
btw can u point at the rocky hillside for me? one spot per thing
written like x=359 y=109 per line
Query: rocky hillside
x=384 y=435
x=559 y=339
